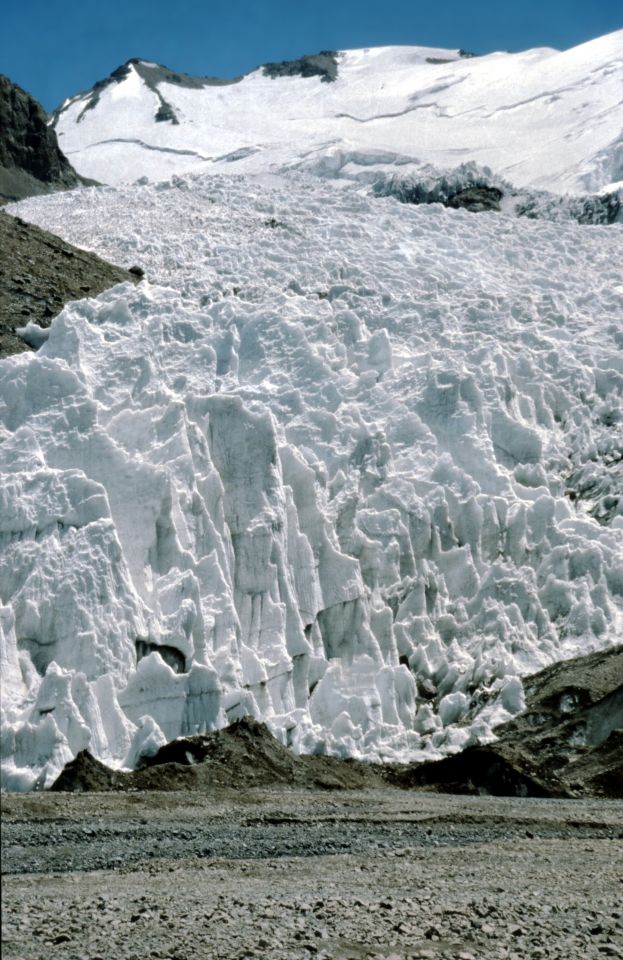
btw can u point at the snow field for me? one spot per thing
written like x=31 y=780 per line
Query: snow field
x=351 y=466
x=540 y=118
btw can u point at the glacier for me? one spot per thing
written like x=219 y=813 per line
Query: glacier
x=348 y=465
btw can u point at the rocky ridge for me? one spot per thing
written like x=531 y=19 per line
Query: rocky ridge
x=31 y=161
x=39 y=274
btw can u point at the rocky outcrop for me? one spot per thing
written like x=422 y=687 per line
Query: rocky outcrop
x=475 y=199
x=153 y=75
x=41 y=275
x=31 y=161
x=323 y=65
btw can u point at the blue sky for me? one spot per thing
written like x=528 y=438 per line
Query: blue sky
x=55 y=48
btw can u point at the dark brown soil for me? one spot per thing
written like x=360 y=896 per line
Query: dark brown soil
x=39 y=274
x=242 y=755
x=570 y=737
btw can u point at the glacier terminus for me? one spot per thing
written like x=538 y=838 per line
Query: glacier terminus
x=346 y=464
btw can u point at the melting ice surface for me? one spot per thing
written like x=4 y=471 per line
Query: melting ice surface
x=344 y=464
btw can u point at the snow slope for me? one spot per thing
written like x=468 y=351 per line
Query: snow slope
x=348 y=465
x=541 y=118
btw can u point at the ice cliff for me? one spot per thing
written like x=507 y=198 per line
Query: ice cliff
x=344 y=464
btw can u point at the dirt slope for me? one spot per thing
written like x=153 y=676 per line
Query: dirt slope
x=567 y=743
x=39 y=274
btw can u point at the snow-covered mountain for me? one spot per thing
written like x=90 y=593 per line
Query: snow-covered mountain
x=349 y=465
x=541 y=118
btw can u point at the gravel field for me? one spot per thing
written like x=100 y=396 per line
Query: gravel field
x=300 y=874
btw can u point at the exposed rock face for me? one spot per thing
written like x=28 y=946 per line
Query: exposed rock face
x=476 y=199
x=30 y=159
x=323 y=65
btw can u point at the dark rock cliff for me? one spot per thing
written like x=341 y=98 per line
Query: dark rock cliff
x=30 y=159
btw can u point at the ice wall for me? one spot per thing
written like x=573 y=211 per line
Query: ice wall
x=349 y=466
